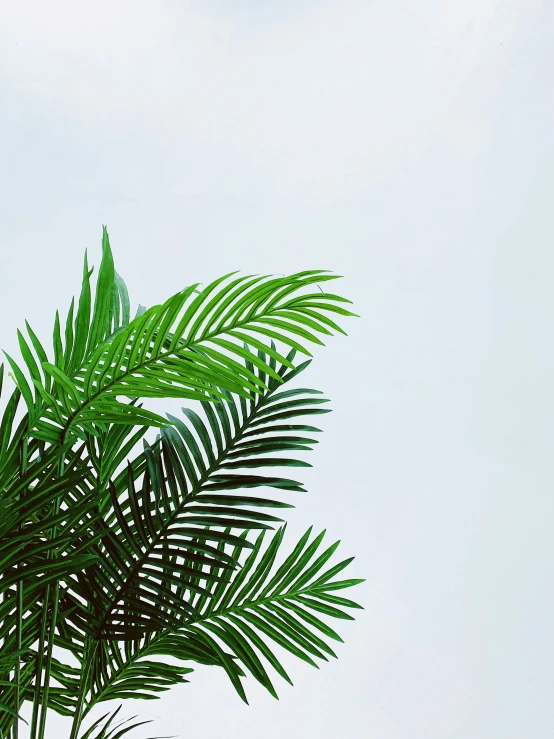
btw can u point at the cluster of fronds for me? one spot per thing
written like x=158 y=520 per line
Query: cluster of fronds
x=118 y=557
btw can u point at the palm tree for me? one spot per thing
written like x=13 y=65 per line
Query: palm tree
x=112 y=556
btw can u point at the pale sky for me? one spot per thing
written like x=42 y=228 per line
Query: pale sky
x=407 y=146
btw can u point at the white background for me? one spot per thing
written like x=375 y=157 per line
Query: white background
x=407 y=146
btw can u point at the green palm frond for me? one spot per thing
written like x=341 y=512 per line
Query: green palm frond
x=159 y=530
x=245 y=611
x=185 y=348
x=260 y=603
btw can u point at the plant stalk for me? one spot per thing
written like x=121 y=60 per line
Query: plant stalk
x=83 y=689
x=52 y=630
x=19 y=612
x=39 y=665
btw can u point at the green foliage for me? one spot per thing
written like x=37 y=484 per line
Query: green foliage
x=113 y=560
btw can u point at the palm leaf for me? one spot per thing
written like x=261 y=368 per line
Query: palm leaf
x=244 y=613
x=185 y=348
x=283 y=604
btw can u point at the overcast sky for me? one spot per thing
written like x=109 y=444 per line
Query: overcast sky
x=407 y=146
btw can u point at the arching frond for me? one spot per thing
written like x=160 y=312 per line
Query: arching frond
x=285 y=604
x=240 y=617
x=184 y=348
